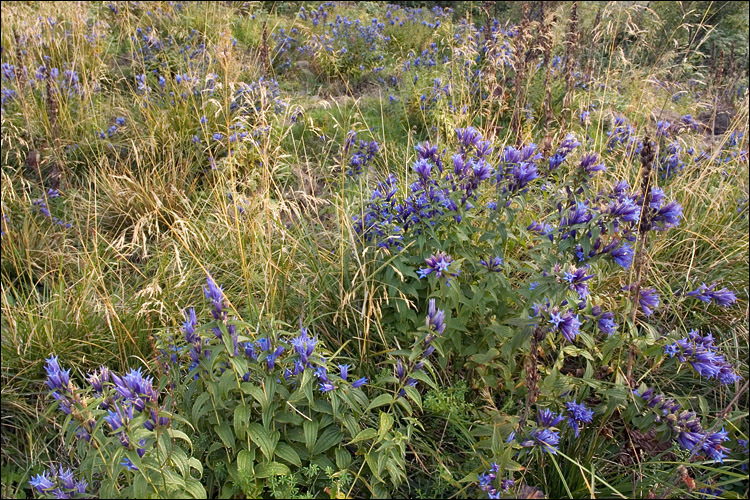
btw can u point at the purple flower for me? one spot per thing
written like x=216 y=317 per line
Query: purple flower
x=189 y=326
x=703 y=356
x=326 y=386
x=623 y=255
x=437 y=263
x=521 y=175
x=435 y=320
x=577 y=278
x=567 y=323
x=359 y=382
x=578 y=414
x=626 y=209
x=215 y=294
x=723 y=297
x=546 y=418
x=548 y=439
x=589 y=165
x=133 y=387
x=423 y=169
x=542 y=228
x=606 y=323
x=128 y=464
x=42 y=483
x=494 y=264
x=57 y=378
x=468 y=137
x=304 y=345
x=578 y=215
x=667 y=216
x=657 y=197
x=649 y=300
x=344 y=370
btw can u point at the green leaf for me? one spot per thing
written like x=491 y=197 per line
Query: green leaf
x=269 y=469
x=241 y=420
x=386 y=422
x=196 y=464
x=245 y=461
x=343 y=458
x=414 y=395
x=195 y=488
x=265 y=439
x=286 y=452
x=197 y=410
x=225 y=433
x=364 y=435
x=382 y=400
x=255 y=391
x=330 y=437
x=175 y=434
x=269 y=389
x=311 y=433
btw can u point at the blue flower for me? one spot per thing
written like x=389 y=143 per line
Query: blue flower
x=606 y=323
x=438 y=263
x=546 y=418
x=326 y=386
x=494 y=264
x=723 y=297
x=578 y=414
x=344 y=370
x=359 y=382
x=42 y=483
x=623 y=255
x=548 y=439
x=435 y=319
x=649 y=300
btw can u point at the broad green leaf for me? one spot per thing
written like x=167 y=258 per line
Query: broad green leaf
x=225 y=433
x=265 y=439
x=414 y=395
x=197 y=410
x=271 y=469
x=386 y=422
x=364 y=435
x=175 y=434
x=245 y=461
x=241 y=420
x=255 y=391
x=343 y=458
x=311 y=434
x=331 y=436
x=195 y=488
x=382 y=400
x=286 y=452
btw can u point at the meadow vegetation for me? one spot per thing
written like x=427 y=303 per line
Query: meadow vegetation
x=347 y=250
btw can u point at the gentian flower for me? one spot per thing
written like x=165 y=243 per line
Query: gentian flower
x=578 y=414
x=623 y=255
x=649 y=300
x=494 y=264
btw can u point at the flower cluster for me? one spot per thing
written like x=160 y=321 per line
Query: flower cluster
x=439 y=264
x=723 y=297
x=41 y=205
x=686 y=427
x=486 y=480
x=366 y=151
x=546 y=435
x=435 y=322
x=578 y=414
x=703 y=356
x=60 y=483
